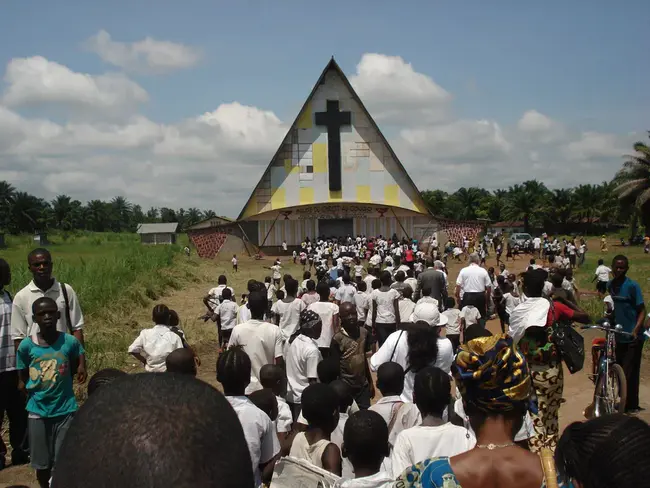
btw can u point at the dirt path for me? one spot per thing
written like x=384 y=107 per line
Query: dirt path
x=578 y=390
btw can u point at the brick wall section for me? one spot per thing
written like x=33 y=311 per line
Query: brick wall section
x=456 y=230
x=208 y=242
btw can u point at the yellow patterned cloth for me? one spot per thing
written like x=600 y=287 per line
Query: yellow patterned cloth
x=493 y=375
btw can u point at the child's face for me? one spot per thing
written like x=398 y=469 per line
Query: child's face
x=46 y=315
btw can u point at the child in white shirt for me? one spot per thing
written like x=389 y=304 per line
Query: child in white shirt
x=225 y=315
x=452 y=331
x=234 y=263
x=469 y=315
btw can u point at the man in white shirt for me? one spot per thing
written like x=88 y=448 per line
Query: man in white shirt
x=214 y=295
x=370 y=277
x=602 y=274
x=152 y=346
x=362 y=302
x=473 y=285
x=262 y=341
x=537 y=245
x=346 y=292
x=225 y=315
x=44 y=284
x=233 y=367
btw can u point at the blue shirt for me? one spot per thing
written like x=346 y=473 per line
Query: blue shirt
x=50 y=382
x=627 y=301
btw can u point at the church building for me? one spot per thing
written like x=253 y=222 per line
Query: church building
x=334 y=174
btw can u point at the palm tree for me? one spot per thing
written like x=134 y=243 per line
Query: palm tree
x=587 y=202
x=527 y=202
x=27 y=213
x=96 y=216
x=469 y=199
x=7 y=194
x=560 y=208
x=209 y=214
x=152 y=215
x=121 y=213
x=193 y=216
x=635 y=175
x=62 y=212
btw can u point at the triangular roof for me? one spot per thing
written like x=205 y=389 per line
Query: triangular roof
x=419 y=204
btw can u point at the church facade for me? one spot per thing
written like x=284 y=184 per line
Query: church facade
x=334 y=174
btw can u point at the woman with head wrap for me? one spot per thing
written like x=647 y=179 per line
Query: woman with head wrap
x=495 y=384
x=302 y=358
x=531 y=327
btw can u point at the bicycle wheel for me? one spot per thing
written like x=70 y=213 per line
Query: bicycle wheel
x=611 y=392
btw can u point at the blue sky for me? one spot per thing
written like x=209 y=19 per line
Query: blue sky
x=581 y=64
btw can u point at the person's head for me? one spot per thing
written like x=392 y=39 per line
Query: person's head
x=620 y=265
x=603 y=452
x=266 y=401
x=267 y=279
x=439 y=265
x=226 y=294
x=400 y=276
x=346 y=278
x=601 y=262
x=257 y=303
x=376 y=284
x=426 y=291
x=5 y=273
x=491 y=270
x=494 y=380
x=320 y=407
x=410 y=273
x=365 y=441
x=556 y=280
x=161 y=314
x=306 y=275
x=407 y=292
x=450 y=302
x=429 y=313
x=502 y=267
x=474 y=258
x=474 y=331
x=310 y=324
x=362 y=286
x=174 y=319
x=40 y=264
x=343 y=393
x=46 y=314
x=323 y=290
x=102 y=378
x=431 y=391
x=222 y=280
x=390 y=379
x=512 y=277
x=252 y=286
x=279 y=295
x=385 y=278
x=328 y=370
x=137 y=433
x=181 y=361
x=273 y=377
x=234 y=370
x=534 y=280
x=532 y=262
x=348 y=316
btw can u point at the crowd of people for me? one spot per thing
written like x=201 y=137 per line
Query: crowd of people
x=300 y=363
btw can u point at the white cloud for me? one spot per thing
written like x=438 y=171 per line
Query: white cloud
x=37 y=81
x=395 y=93
x=213 y=160
x=148 y=56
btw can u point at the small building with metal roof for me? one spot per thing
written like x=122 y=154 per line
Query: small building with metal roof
x=163 y=233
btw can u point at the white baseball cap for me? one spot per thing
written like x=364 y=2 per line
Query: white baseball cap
x=429 y=313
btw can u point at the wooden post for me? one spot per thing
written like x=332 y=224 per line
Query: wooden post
x=270 y=229
x=400 y=224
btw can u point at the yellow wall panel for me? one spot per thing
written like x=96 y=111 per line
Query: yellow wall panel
x=278 y=200
x=305 y=120
x=306 y=196
x=391 y=195
x=319 y=155
x=363 y=193
x=287 y=166
x=335 y=196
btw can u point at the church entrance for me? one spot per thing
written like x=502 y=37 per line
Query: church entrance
x=336 y=227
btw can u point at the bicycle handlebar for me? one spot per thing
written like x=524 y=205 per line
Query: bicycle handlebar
x=606 y=329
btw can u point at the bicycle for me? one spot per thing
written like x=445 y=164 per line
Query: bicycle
x=610 y=392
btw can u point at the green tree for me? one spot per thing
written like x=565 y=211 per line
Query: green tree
x=7 y=195
x=97 y=216
x=152 y=215
x=120 y=213
x=168 y=215
x=635 y=182
x=62 y=212
x=209 y=214
x=435 y=200
x=27 y=213
x=193 y=216
x=527 y=202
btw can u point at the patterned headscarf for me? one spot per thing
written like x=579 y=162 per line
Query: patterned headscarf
x=309 y=319
x=492 y=375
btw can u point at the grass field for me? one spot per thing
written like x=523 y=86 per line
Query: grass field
x=113 y=274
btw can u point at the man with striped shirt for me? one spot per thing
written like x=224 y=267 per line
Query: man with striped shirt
x=12 y=401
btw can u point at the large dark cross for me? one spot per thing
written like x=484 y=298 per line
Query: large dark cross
x=333 y=120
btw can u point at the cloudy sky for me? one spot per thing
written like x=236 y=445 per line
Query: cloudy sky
x=184 y=103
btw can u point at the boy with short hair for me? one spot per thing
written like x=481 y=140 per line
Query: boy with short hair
x=226 y=317
x=452 y=331
x=272 y=377
x=234 y=263
x=365 y=445
x=46 y=375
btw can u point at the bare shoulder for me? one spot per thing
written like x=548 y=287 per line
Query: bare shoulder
x=486 y=469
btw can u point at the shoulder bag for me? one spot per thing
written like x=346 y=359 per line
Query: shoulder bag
x=74 y=362
x=570 y=344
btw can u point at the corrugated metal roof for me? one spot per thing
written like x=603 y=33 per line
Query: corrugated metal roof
x=164 y=228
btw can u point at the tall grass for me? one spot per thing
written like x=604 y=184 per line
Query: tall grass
x=112 y=274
